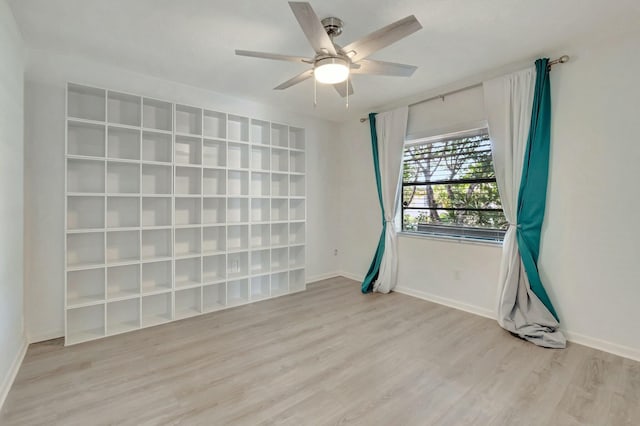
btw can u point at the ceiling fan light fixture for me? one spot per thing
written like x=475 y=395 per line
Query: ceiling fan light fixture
x=331 y=70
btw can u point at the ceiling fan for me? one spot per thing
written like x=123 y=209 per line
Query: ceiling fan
x=333 y=64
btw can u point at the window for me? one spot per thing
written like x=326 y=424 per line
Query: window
x=449 y=187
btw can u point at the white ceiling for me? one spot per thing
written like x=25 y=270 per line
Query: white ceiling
x=193 y=41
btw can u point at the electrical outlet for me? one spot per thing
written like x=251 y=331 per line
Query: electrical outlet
x=335 y=252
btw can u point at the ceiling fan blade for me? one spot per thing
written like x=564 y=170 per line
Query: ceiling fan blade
x=382 y=38
x=368 y=66
x=312 y=27
x=341 y=88
x=295 y=80
x=275 y=56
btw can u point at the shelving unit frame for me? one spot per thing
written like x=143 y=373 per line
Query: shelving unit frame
x=247 y=156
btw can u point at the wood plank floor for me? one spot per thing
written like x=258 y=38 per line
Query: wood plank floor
x=329 y=355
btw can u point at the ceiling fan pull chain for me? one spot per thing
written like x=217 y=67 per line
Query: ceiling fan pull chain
x=347 y=83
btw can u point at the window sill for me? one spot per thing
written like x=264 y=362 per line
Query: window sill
x=450 y=239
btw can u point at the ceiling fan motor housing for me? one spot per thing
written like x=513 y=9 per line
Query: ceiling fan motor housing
x=333 y=26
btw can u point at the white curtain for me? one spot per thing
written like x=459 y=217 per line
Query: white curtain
x=509 y=103
x=391 y=129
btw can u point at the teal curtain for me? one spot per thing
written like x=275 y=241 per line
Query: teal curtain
x=374 y=269
x=533 y=185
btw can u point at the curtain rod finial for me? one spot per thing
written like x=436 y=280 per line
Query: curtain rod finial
x=564 y=58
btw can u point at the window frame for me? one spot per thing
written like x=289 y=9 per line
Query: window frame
x=450 y=232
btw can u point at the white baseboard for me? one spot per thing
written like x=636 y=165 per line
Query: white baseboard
x=321 y=277
x=472 y=309
x=355 y=277
x=42 y=337
x=7 y=382
x=603 y=345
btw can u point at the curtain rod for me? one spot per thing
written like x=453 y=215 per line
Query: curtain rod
x=561 y=60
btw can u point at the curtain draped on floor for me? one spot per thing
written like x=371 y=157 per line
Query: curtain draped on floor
x=388 y=132
x=519 y=112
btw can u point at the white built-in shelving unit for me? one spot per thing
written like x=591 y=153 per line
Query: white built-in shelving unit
x=174 y=211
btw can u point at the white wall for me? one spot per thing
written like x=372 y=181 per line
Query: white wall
x=590 y=236
x=46 y=76
x=12 y=341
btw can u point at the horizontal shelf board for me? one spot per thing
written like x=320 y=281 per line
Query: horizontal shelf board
x=123 y=194
x=214 y=307
x=85 y=230
x=213 y=252
x=84 y=336
x=214 y=282
x=81 y=302
x=124 y=228
x=123 y=262
x=186 y=313
x=123 y=126
x=188 y=165
x=84 y=266
x=187 y=255
x=157 y=131
x=186 y=284
x=189 y=135
x=194 y=225
x=151 y=320
x=72 y=119
x=237 y=276
x=122 y=295
x=237 y=301
x=122 y=327
x=166 y=164
x=122 y=160
x=154 y=195
x=85 y=158
x=154 y=259
x=86 y=194
x=152 y=291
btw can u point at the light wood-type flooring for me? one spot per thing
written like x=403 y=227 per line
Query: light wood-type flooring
x=326 y=356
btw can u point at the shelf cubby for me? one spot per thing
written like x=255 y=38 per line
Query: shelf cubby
x=279 y=209
x=296 y=280
x=187 y=211
x=296 y=257
x=279 y=135
x=214 y=181
x=86 y=286
x=279 y=234
x=188 y=150
x=260 y=158
x=297 y=233
x=123 y=316
x=156 y=309
x=187 y=242
x=260 y=133
x=279 y=185
x=157 y=115
x=260 y=261
x=296 y=209
x=214 y=297
x=297 y=185
x=187 y=303
x=237 y=292
x=238 y=183
x=260 y=184
x=214 y=211
x=85 y=176
x=85 y=323
x=123 y=143
x=237 y=155
x=260 y=236
x=215 y=124
x=123 y=281
x=214 y=239
x=86 y=103
x=279 y=283
x=187 y=272
x=123 y=212
x=296 y=138
x=156 y=211
x=124 y=109
x=214 y=153
x=123 y=178
x=123 y=246
x=214 y=268
x=156 y=244
x=237 y=210
x=188 y=120
x=260 y=210
x=85 y=212
x=187 y=181
x=156 y=179
x=260 y=287
x=237 y=128
x=156 y=276
x=279 y=259
x=156 y=147
x=237 y=237
x=279 y=160
x=297 y=162
x=85 y=139
x=85 y=249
